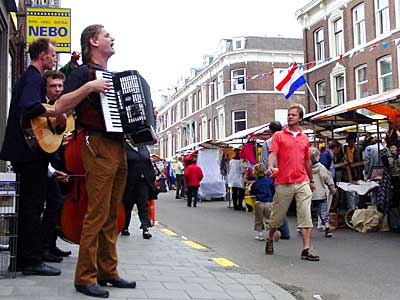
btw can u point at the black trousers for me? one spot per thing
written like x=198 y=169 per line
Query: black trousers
x=51 y=215
x=193 y=192
x=237 y=198
x=180 y=185
x=137 y=192
x=32 y=195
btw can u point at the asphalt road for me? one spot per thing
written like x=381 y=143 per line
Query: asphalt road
x=353 y=266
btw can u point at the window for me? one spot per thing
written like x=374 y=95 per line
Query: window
x=319 y=45
x=190 y=103
x=186 y=107
x=238 y=80
x=204 y=95
x=382 y=20
x=361 y=81
x=220 y=89
x=238 y=44
x=359 y=25
x=339 y=88
x=199 y=99
x=216 y=130
x=385 y=81
x=221 y=124
x=239 y=119
x=321 y=95
x=338 y=37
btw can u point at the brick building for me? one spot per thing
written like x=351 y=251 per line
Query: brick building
x=351 y=48
x=233 y=91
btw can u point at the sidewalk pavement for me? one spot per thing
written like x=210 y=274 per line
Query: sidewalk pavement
x=167 y=266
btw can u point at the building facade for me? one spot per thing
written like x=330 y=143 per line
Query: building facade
x=351 y=48
x=9 y=59
x=234 y=90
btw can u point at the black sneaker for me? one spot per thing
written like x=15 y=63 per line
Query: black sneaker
x=308 y=254
x=328 y=232
x=146 y=235
x=269 y=247
x=125 y=232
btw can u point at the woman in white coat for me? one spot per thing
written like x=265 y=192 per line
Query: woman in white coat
x=236 y=181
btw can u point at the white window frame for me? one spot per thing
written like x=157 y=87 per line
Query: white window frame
x=319 y=59
x=336 y=46
x=234 y=80
x=382 y=12
x=380 y=76
x=337 y=71
x=216 y=128
x=321 y=105
x=220 y=86
x=204 y=89
x=359 y=84
x=234 y=121
x=221 y=122
x=359 y=31
x=397 y=12
x=235 y=40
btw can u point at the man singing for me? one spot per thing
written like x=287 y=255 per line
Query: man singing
x=104 y=160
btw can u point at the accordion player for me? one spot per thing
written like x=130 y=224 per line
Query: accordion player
x=127 y=106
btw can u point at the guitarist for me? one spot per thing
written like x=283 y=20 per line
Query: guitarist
x=31 y=167
x=54 y=81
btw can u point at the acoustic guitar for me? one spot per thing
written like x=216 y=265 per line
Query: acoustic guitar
x=44 y=133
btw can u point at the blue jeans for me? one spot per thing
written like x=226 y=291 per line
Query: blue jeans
x=284 y=229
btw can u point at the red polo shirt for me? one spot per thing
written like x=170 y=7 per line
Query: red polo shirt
x=292 y=153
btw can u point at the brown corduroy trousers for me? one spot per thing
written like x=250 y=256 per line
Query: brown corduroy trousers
x=106 y=170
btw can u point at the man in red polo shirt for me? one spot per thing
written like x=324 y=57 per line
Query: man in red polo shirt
x=295 y=180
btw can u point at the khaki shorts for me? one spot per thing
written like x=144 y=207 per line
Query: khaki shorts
x=284 y=194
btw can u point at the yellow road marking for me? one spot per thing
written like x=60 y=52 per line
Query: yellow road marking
x=224 y=262
x=194 y=245
x=168 y=232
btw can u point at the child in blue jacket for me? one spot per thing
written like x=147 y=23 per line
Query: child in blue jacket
x=263 y=188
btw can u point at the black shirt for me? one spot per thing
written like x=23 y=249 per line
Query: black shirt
x=28 y=94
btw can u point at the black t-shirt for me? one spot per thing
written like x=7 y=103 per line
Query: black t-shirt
x=76 y=79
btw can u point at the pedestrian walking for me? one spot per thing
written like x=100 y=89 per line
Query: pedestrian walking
x=290 y=147
x=180 y=179
x=139 y=187
x=323 y=181
x=236 y=180
x=193 y=176
x=263 y=188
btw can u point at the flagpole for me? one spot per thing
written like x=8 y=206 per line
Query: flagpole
x=312 y=95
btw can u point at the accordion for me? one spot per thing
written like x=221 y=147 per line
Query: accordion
x=127 y=106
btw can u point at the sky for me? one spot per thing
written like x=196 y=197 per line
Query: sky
x=163 y=39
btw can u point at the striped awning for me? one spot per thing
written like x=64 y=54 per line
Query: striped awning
x=387 y=104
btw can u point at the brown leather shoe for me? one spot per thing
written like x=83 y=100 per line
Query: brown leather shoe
x=118 y=282
x=269 y=247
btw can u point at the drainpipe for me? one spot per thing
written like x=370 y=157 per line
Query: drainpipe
x=305 y=61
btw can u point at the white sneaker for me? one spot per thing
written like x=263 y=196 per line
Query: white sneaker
x=277 y=235
x=259 y=236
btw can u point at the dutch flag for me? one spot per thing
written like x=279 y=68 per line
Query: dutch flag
x=291 y=82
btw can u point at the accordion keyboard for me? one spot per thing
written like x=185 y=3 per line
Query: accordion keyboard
x=109 y=104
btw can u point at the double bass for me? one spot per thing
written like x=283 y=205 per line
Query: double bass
x=75 y=195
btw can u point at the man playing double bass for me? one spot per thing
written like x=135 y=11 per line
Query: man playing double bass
x=104 y=160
